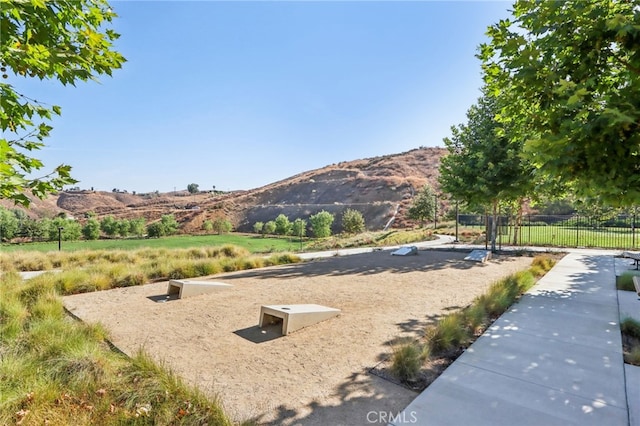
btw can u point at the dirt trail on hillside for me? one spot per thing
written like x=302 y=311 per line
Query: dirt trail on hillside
x=318 y=375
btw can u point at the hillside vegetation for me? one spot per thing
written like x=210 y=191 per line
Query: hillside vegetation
x=381 y=188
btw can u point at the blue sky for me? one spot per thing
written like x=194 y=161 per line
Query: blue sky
x=238 y=95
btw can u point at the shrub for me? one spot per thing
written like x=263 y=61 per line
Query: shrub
x=543 y=261
x=131 y=279
x=449 y=334
x=525 y=280
x=60 y=371
x=633 y=357
x=32 y=261
x=499 y=297
x=625 y=281
x=73 y=281
x=353 y=221
x=182 y=269
x=630 y=327
x=281 y=259
x=406 y=362
x=13 y=312
x=475 y=318
x=234 y=251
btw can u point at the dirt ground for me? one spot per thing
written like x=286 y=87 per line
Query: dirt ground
x=318 y=375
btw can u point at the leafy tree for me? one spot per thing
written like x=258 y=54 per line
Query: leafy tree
x=155 y=230
x=66 y=40
x=423 y=206
x=222 y=225
x=352 y=221
x=123 y=227
x=167 y=225
x=595 y=210
x=207 y=225
x=39 y=229
x=568 y=78
x=283 y=225
x=8 y=224
x=71 y=231
x=557 y=207
x=258 y=227
x=483 y=166
x=299 y=228
x=91 y=229
x=269 y=227
x=321 y=224
x=137 y=226
x=192 y=188
x=109 y=225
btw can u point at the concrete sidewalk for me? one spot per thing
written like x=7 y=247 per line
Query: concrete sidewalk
x=555 y=358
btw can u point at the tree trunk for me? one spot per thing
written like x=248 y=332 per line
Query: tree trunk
x=518 y=224
x=494 y=226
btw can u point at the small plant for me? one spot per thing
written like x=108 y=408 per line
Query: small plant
x=56 y=370
x=544 y=262
x=625 y=281
x=630 y=327
x=457 y=330
x=449 y=334
x=475 y=318
x=406 y=362
x=633 y=357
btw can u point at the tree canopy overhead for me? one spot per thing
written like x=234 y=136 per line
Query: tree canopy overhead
x=66 y=40
x=484 y=167
x=567 y=74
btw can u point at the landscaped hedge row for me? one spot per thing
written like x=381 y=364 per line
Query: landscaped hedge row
x=459 y=329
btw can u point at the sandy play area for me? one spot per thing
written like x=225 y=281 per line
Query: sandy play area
x=314 y=376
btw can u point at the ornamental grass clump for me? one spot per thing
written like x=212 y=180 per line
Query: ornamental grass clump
x=406 y=361
x=31 y=261
x=56 y=370
x=500 y=296
x=630 y=329
x=475 y=318
x=449 y=334
x=456 y=331
x=625 y=280
x=162 y=396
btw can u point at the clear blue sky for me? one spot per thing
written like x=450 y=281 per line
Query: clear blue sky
x=242 y=94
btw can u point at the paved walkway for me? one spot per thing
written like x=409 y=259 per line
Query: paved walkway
x=555 y=358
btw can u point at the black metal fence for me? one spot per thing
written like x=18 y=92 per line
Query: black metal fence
x=619 y=232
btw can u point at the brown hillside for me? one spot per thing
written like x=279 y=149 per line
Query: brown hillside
x=378 y=187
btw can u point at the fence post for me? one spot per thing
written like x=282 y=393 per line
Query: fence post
x=486 y=230
x=633 y=228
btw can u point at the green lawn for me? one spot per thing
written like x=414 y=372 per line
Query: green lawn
x=620 y=238
x=254 y=244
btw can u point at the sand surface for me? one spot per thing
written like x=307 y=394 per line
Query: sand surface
x=318 y=375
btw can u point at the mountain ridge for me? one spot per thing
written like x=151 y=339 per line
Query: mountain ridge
x=380 y=187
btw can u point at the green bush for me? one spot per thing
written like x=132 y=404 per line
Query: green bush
x=56 y=370
x=625 y=280
x=525 y=280
x=541 y=264
x=630 y=327
x=131 y=279
x=475 y=318
x=449 y=334
x=406 y=362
